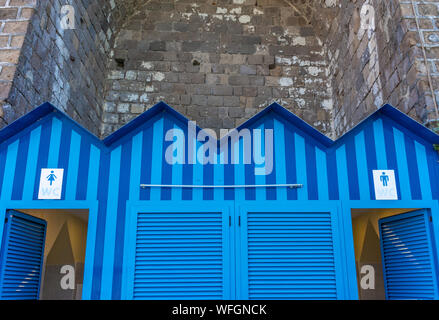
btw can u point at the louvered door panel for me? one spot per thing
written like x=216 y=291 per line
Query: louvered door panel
x=21 y=257
x=289 y=255
x=179 y=255
x=408 y=259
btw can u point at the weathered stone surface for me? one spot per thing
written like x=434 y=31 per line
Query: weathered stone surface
x=219 y=62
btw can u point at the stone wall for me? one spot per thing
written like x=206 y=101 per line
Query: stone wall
x=61 y=65
x=14 y=20
x=382 y=63
x=427 y=36
x=218 y=62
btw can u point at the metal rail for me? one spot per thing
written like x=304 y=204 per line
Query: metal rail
x=289 y=185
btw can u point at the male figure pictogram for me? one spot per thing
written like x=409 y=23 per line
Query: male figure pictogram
x=384 y=179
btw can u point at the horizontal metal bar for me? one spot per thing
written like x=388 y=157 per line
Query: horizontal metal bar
x=289 y=185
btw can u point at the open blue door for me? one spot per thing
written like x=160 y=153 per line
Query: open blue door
x=408 y=257
x=21 y=256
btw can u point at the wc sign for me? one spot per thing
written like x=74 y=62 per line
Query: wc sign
x=385 y=185
x=51 y=184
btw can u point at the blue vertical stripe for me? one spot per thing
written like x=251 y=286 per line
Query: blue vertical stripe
x=208 y=179
x=351 y=162
x=371 y=157
x=93 y=173
x=229 y=175
x=290 y=160
x=413 y=168
x=322 y=174
x=311 y=171
x=331 y=161
x=250 y=193
x=8 y=180
x=23 y=148
x=279 y=137
x=110 y=224
x=92 y=229
x=136 y=165
x=424 y=177
x=219 y=177
x=177 y=171
x=145 y=174
x=299 y=143
x=167 y=168
x=433 y=167
x=72 y=175
x=156 y=167
x=103 y=187
x=55 y=140
x=124 y=187
x=380 y=147
x=260 y=179
x=3 y=153
x=363 y=175
x=343 y=179
x=391 y=154
x=64 y=154
x=401 y=160
x=31 y=163
x=188 y=169
x=198 y=172
x=43 y=154
x=84 y=159
x=239 y=169
x=271 y=178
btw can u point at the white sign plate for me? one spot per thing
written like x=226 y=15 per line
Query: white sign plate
x=51 y=184
x=385 y=185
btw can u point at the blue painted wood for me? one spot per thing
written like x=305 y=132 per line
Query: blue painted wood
x=322 y=175
x=301 y=165
x=343 y=178
x=338 y=171
x=31 y=163
x=19 y=174
x=289 y=252
x=21 y=257
x=363 y=175
x=110 y=224
x=72 y=175
x=408 y=259
x=168 y=260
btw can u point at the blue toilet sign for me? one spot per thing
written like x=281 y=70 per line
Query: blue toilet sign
x=385 y=185
x=51 y=184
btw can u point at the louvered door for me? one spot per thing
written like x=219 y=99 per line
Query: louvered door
x=181 y=253
x=21 y=256
x=407 y=256
x=288 y=252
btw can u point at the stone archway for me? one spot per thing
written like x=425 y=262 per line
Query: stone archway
x=219 y=62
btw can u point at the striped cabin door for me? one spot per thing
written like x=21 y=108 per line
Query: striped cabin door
x=407 y=254
x=288 y=253
x=181 y=253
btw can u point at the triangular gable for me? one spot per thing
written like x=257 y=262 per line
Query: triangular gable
x=134 y=125
x=39 y=115
x=290 y=118
x=402 y=121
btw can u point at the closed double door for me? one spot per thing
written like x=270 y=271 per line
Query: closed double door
x=275 y=250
